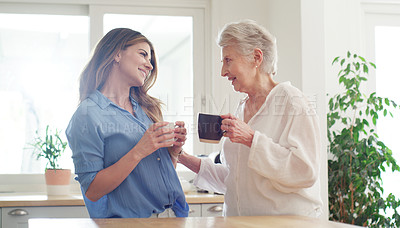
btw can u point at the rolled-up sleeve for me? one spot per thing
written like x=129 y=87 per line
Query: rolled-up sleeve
x=211 y=176
x=87 y=145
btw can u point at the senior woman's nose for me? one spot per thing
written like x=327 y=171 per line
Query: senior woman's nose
x=224 y=71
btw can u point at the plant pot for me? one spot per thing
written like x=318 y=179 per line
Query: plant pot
x=58 y=181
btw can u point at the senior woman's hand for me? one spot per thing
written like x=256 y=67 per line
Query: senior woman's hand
x=237 y=130
x=180 y=135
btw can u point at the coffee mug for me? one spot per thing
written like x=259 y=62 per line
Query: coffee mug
x=209 y=128
x=170 y=125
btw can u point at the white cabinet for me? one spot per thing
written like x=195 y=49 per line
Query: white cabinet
x=205 y=210
x=194 y=210
x=17 y=217
x=211 y=210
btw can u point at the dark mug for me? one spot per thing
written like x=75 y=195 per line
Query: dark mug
x=209 y=128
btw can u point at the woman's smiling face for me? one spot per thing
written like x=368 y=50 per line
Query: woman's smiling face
x=134 y=63
x=237 y=68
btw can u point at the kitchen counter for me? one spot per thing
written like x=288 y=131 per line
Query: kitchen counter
x=203 y=222
x=35 y=199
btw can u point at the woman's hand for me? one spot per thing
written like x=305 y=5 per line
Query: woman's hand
x=154 y=138
x=108 y=179
x=236 y=130
x=180 y=136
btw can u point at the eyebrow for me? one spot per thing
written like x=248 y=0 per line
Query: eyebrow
x=144 y=51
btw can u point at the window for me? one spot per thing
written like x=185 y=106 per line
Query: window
x=387 y=48
x=382 y=27
x=43 y=49
x=40 y=60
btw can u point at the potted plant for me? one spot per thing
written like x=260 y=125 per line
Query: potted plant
x=358 y=157
x=51 y=147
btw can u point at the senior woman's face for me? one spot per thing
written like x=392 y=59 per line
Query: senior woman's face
x=237 y=69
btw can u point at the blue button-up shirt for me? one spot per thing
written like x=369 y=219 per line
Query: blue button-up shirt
x=100 y=133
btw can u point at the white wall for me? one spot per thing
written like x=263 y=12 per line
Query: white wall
x=342 y=34
x=313 y=72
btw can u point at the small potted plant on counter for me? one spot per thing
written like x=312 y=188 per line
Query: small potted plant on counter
x=51 y=147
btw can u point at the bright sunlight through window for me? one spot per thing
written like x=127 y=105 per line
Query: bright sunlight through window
x=387 y=85
x=41 y=57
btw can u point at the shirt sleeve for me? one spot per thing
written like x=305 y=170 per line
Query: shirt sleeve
x=87 y=146
x=211 y=176
x=292 y=162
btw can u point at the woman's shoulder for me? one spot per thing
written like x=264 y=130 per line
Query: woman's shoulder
x=86 y=107
x=87 y=111
x=287 y=89
x=84 y=116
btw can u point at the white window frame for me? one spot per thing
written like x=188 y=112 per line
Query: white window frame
x=377 y=13
x=95 y=9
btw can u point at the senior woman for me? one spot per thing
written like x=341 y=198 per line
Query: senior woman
x=270 y=161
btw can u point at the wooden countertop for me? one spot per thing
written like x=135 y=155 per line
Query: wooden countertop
x=201 y=222
x=195 y=197
x=35 y=199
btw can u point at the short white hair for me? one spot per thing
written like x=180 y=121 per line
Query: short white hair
x=247 y=35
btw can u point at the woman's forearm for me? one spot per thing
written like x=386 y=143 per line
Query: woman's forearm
x=191 y=162
x=111 y=177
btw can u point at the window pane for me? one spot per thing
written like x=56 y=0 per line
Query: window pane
x=41 y=57
x=387 y=81
x=172 y=38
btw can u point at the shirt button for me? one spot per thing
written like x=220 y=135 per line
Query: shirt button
x=158 y=159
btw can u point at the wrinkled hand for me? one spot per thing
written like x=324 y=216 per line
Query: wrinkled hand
x=180 y=136
x=237 y=130
x=154 y=138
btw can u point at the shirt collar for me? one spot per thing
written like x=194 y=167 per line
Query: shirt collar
x=104 y=102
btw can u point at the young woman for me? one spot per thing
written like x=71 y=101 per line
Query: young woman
x=122 y=158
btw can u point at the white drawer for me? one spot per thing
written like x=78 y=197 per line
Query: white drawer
x=211 y=210
x=17 y=217
x=194 y=210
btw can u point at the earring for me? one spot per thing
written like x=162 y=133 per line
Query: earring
x=256 y=66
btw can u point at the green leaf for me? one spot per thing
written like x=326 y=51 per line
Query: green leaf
x=365 y=122
x=335 y=60
x=387 y=102
x=373 y=65
x=342 y=62
x=342 y=79
x=365 y=68
x=357 y=66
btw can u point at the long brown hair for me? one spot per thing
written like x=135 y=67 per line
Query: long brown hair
x=98 y=69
